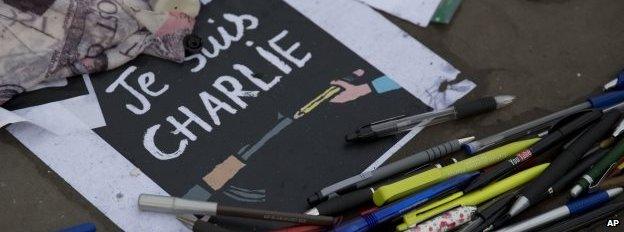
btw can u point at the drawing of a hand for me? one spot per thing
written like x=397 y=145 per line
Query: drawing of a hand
x=350 y=93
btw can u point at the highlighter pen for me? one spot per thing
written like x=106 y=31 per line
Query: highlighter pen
x=599 y=169
x=368 y=178
x=576 y=207
x=400 y=124
x=477 y=197
x=367 y=221
x=601 y=101
x=534 y=191
x=416 y=182
x=174 y=205
x=538 y=148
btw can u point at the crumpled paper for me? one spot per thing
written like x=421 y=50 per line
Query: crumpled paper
x=48 y=40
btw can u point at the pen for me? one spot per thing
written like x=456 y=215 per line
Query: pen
x=194 y=224
x=476 y=197
x=601 y=101
x=617 y=181
x=367 y=178
x=446 y=221
x=581 y=221
x=547 y=142
x=413 y=183
x=573 y=208
x=488 y=213
x=534 y=191
x=400 y=124
x=576 y=171
x=599 y=169
x=615 y=84
x=174 y=205
x=353 y=199
x=368 y=221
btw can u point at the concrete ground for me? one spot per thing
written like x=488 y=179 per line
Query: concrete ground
x=548 y=53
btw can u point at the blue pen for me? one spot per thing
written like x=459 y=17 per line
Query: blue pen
x=573 y=208
x=617 y=83
x=86 y=227
x=603 y=101
x=370 y=220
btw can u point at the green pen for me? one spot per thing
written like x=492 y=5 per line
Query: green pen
x=598 y=169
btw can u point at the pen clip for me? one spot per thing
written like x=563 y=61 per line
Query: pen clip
x=388 y=119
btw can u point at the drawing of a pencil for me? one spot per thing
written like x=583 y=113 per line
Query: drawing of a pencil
x=329 y=93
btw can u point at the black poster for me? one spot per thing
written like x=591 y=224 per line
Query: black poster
x=258 y=117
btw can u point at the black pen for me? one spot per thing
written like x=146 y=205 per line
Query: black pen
x=488 y=213
x=551 y=139
x=534 y=191
x=400 y=124
x=575 y=172
x=386 y=171
x=197 y=225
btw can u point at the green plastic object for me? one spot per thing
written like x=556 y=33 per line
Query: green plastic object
x=445 y=11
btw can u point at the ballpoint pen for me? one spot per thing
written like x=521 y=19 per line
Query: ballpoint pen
x=358 y=197
x=475 y=198
x=581 y=221
x=195 y=224
x=601 y=101
x=400 y=124
x=416 y=182
x=615 y=84
x=565 y=181
x=617 y=181
x=174 y=205
x=446 y=221
x=368 y=178
x=534 y=191
x=599 y=169
x=487 y=213
x=573 y=208
x=551 y=139
x=383 y=214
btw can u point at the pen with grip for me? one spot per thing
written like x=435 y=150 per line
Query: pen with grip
x=602 y=101
x=475 y=198
x=538 y=148
x=416 y=182
x=599 y=169
x=368 y=178
x=576 y=207
x=383 y=214
x=534 y=191
x=400 y=124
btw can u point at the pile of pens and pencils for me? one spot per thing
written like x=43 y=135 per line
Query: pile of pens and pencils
x=577 y=153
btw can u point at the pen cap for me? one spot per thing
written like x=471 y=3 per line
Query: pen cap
x=607 y=99
x=165 y=204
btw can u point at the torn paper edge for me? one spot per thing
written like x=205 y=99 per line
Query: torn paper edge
x=418 y=12
x=384 y=45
